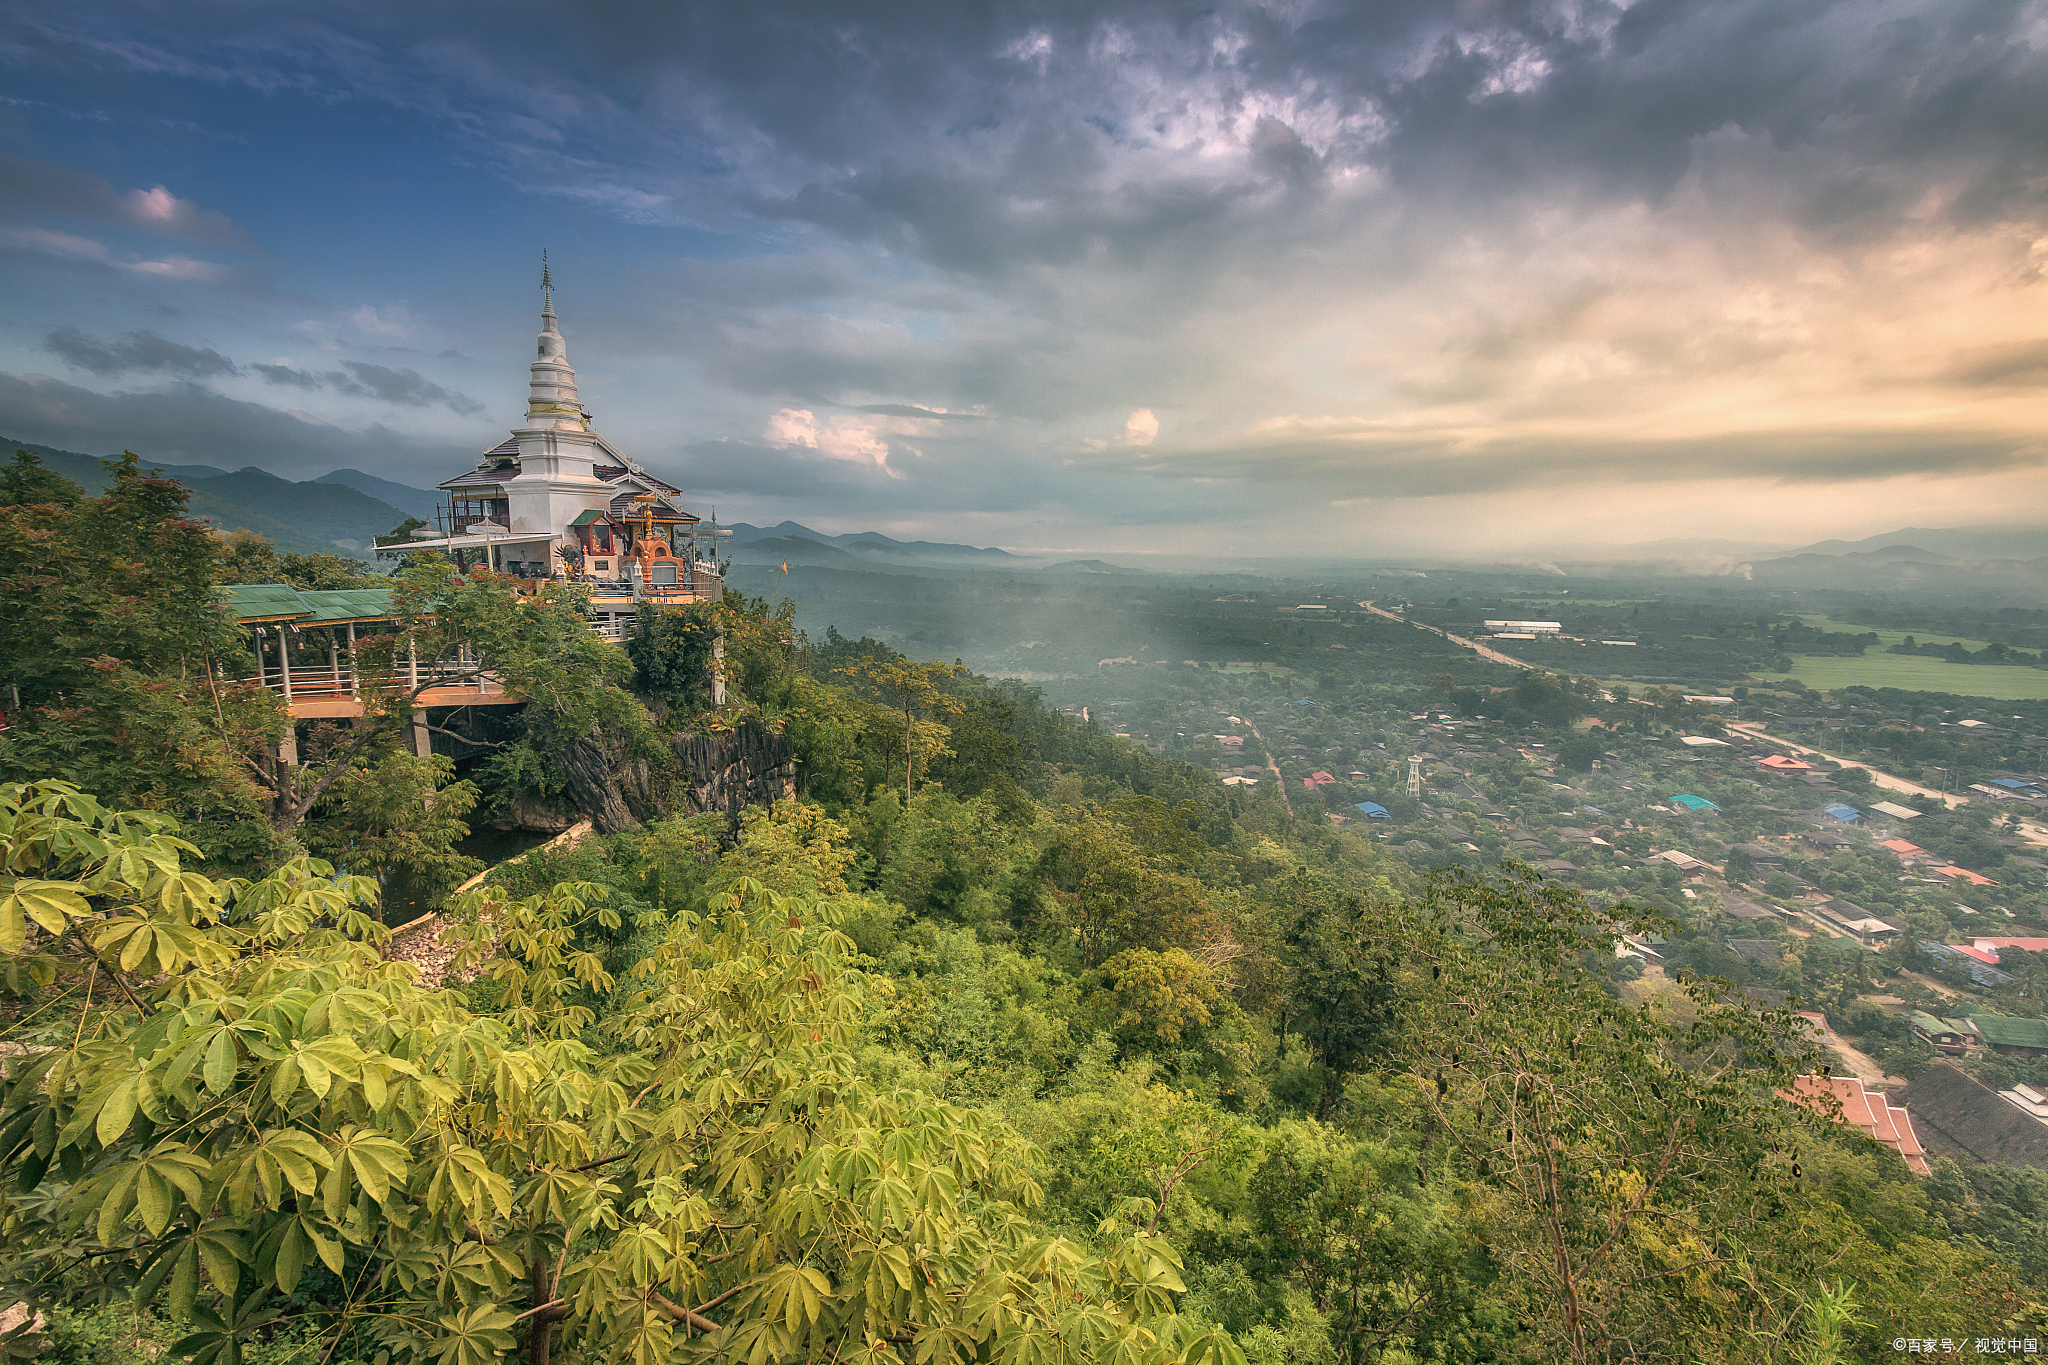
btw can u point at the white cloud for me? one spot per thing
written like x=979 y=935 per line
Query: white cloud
x=842 y=438
x=180 y=268
x=1141 y=429
x=59 y=243
x=56 y=243
x=394 y=321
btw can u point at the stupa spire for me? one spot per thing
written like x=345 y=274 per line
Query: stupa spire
x=552 y=400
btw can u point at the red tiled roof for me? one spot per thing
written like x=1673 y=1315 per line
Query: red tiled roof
x=2032 y=945
x=1964 y=874
x=1867 y=1110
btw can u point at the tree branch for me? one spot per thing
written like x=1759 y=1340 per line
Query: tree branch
x=548 y=1311
x=707 y=1307
x=681 y=1314
x=601 y=1162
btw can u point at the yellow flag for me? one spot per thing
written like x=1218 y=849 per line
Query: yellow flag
x=785 y=566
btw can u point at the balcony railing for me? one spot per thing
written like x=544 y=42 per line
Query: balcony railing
x=322 y=682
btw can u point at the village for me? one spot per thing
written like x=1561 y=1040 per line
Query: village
x=1909 y=925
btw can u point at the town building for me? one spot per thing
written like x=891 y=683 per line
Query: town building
x=2028 y=1101
x=1951 y=1036
x=1864 y=1109
x=2025 y=1038
x=1958 y=1115
x=1994 y=946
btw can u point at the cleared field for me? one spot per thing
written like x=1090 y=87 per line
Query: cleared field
x=1888 y=638
x=1917 y=674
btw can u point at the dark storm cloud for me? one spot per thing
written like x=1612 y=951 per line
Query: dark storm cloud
x=148 y=353
x=1493 y=227
x=405 y=388
x=288 y=377
x=190 y=424
x=2023 y=364
x=137 y=353
x=35 y=188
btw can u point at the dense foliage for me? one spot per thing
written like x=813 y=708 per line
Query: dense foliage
x=1006 y=1039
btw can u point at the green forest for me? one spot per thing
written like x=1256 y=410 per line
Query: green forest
x=1002 y=1039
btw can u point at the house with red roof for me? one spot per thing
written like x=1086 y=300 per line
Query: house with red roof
x=1867 y=1110
x=1780 y=763
x=1992 y=945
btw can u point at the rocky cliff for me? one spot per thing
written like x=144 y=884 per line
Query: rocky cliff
x=730 y=770
x=718 y=770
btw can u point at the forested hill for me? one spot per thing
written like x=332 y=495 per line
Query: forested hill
x=318 y=517
x=1002 y=1040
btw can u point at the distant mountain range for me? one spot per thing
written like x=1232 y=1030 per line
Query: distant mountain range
x=321 y=516
x=1974 y=543
x=796 y=543
x=340 y=512
x=414 y=502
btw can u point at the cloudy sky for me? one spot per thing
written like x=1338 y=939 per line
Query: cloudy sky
x=1336 y=277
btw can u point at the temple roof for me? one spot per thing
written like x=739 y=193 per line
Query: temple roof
x=612 y=473
x=480 y=478
x=627 y=507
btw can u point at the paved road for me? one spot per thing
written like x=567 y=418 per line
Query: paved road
x=1484 y=651
x=1877 y=775
x=2037 y=834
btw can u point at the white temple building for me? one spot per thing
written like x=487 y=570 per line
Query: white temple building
x=557 y=500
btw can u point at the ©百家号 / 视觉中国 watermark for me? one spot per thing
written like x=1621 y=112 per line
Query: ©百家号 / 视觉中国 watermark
x=1983 y=1346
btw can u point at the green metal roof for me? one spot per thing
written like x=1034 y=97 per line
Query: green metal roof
x=348 y=604
x=265 y=602
x=283 y=602
x=1998 y=1031
x=590 y=518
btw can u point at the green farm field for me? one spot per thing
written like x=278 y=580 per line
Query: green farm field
x=1888 y=638
x=1917 y=673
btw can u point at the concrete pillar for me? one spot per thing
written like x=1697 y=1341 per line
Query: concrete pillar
x=333 y=659
x=422 y=738
x=353 y=681
x=288 y=747
x=412 y=666
x=284 y=661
